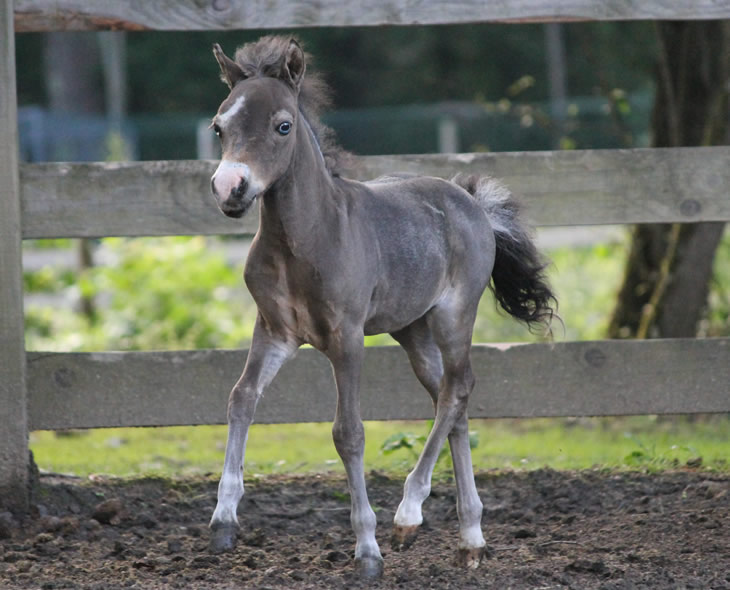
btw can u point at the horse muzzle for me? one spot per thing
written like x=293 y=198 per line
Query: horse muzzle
x=234 y=188
x=239 y=201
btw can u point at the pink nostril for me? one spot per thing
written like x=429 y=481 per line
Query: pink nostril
x=212 y=186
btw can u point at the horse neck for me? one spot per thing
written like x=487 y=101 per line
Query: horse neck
x=303 y=200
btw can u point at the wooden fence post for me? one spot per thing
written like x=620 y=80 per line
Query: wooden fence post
x=13 y=399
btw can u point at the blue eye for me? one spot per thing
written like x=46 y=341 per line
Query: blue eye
x=284 y=128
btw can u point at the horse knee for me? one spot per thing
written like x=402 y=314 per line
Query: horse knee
x=241 y=403
x=349 y=439
x=461 y=428
x=456 y=386
x=453 y=398
x=466 y=381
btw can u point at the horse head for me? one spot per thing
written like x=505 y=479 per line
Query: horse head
x=257 y=123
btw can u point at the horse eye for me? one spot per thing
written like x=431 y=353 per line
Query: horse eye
x=217 y=130
x=284 y=128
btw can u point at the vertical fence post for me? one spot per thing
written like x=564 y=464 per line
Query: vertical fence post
x=13 y=400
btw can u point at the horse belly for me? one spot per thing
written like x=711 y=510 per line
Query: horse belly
x=386 y=323
x=404 y=296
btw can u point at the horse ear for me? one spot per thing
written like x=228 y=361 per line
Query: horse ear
x=231 y=72
x=295 y=65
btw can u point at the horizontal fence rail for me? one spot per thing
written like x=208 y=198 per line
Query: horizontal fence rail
x=137 y=15
x=558 y=188
x=82 y=390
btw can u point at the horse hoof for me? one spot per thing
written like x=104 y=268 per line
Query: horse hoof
x=369 y=569
x=470 y=558
x=222 y=538
x=403 y=537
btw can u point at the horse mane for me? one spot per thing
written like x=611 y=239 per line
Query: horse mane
x=266 y=58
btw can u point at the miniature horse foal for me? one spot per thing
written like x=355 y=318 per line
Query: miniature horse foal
x=334 y=260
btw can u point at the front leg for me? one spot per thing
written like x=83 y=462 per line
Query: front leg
x=349 y=439
x=265 y=358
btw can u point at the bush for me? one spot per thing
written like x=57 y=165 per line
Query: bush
x=152 y=293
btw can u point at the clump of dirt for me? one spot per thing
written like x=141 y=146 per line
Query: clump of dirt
x=544 y=529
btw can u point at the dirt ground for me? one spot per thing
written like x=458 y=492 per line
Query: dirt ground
x=544 y=529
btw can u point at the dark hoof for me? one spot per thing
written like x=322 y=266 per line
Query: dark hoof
x=222 y=538
x=369 y=569
x=403 y=537
x=470 y=558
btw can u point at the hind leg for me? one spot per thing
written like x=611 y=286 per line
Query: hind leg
x=425 y=358
x=468 y=505
x=449 y=395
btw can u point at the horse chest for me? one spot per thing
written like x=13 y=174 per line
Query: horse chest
x=292 y=300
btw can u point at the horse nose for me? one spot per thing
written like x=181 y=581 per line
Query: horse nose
x=230 y=181
x=240 y=191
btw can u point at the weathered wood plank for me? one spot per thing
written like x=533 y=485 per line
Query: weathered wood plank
x=47 y=15
x=565 y=379
x=13 y=402
x=559 y=188
x=123 y=199
x=593 y=187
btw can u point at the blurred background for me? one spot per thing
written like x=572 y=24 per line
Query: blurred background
x=396 y=90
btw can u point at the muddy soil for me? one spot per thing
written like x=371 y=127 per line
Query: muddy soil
x=544 y=529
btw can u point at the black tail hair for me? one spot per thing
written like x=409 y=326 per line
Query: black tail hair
x=519 y=281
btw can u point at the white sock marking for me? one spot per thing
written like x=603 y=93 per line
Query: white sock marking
x=409 y=510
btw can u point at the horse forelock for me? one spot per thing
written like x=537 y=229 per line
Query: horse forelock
x=266 y=58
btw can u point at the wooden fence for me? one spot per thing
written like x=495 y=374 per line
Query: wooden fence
x=71 y=390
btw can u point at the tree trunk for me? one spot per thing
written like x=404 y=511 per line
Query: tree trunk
x=73 y=73
x=73 y=76
x=669 y=267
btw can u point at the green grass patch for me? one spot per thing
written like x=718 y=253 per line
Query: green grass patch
x=617 y=443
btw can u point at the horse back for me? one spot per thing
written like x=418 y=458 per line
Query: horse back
x=430 y=237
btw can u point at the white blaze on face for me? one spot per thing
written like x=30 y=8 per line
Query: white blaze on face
x=232 y=111
x=230 y=174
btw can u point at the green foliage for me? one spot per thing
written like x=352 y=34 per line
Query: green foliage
x=48 y=280
x=117 y=149
x=403 y=440
x=180 y=293
x=651 y=458
x=413 y=443
x=169 y=91
x=370 y=66
x=156 y=293
x=49 y=243
x=717 y=321
x=174 y=293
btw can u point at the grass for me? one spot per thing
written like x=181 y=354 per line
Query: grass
x=643 y=442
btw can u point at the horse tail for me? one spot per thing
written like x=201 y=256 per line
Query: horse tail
x=519 y=280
